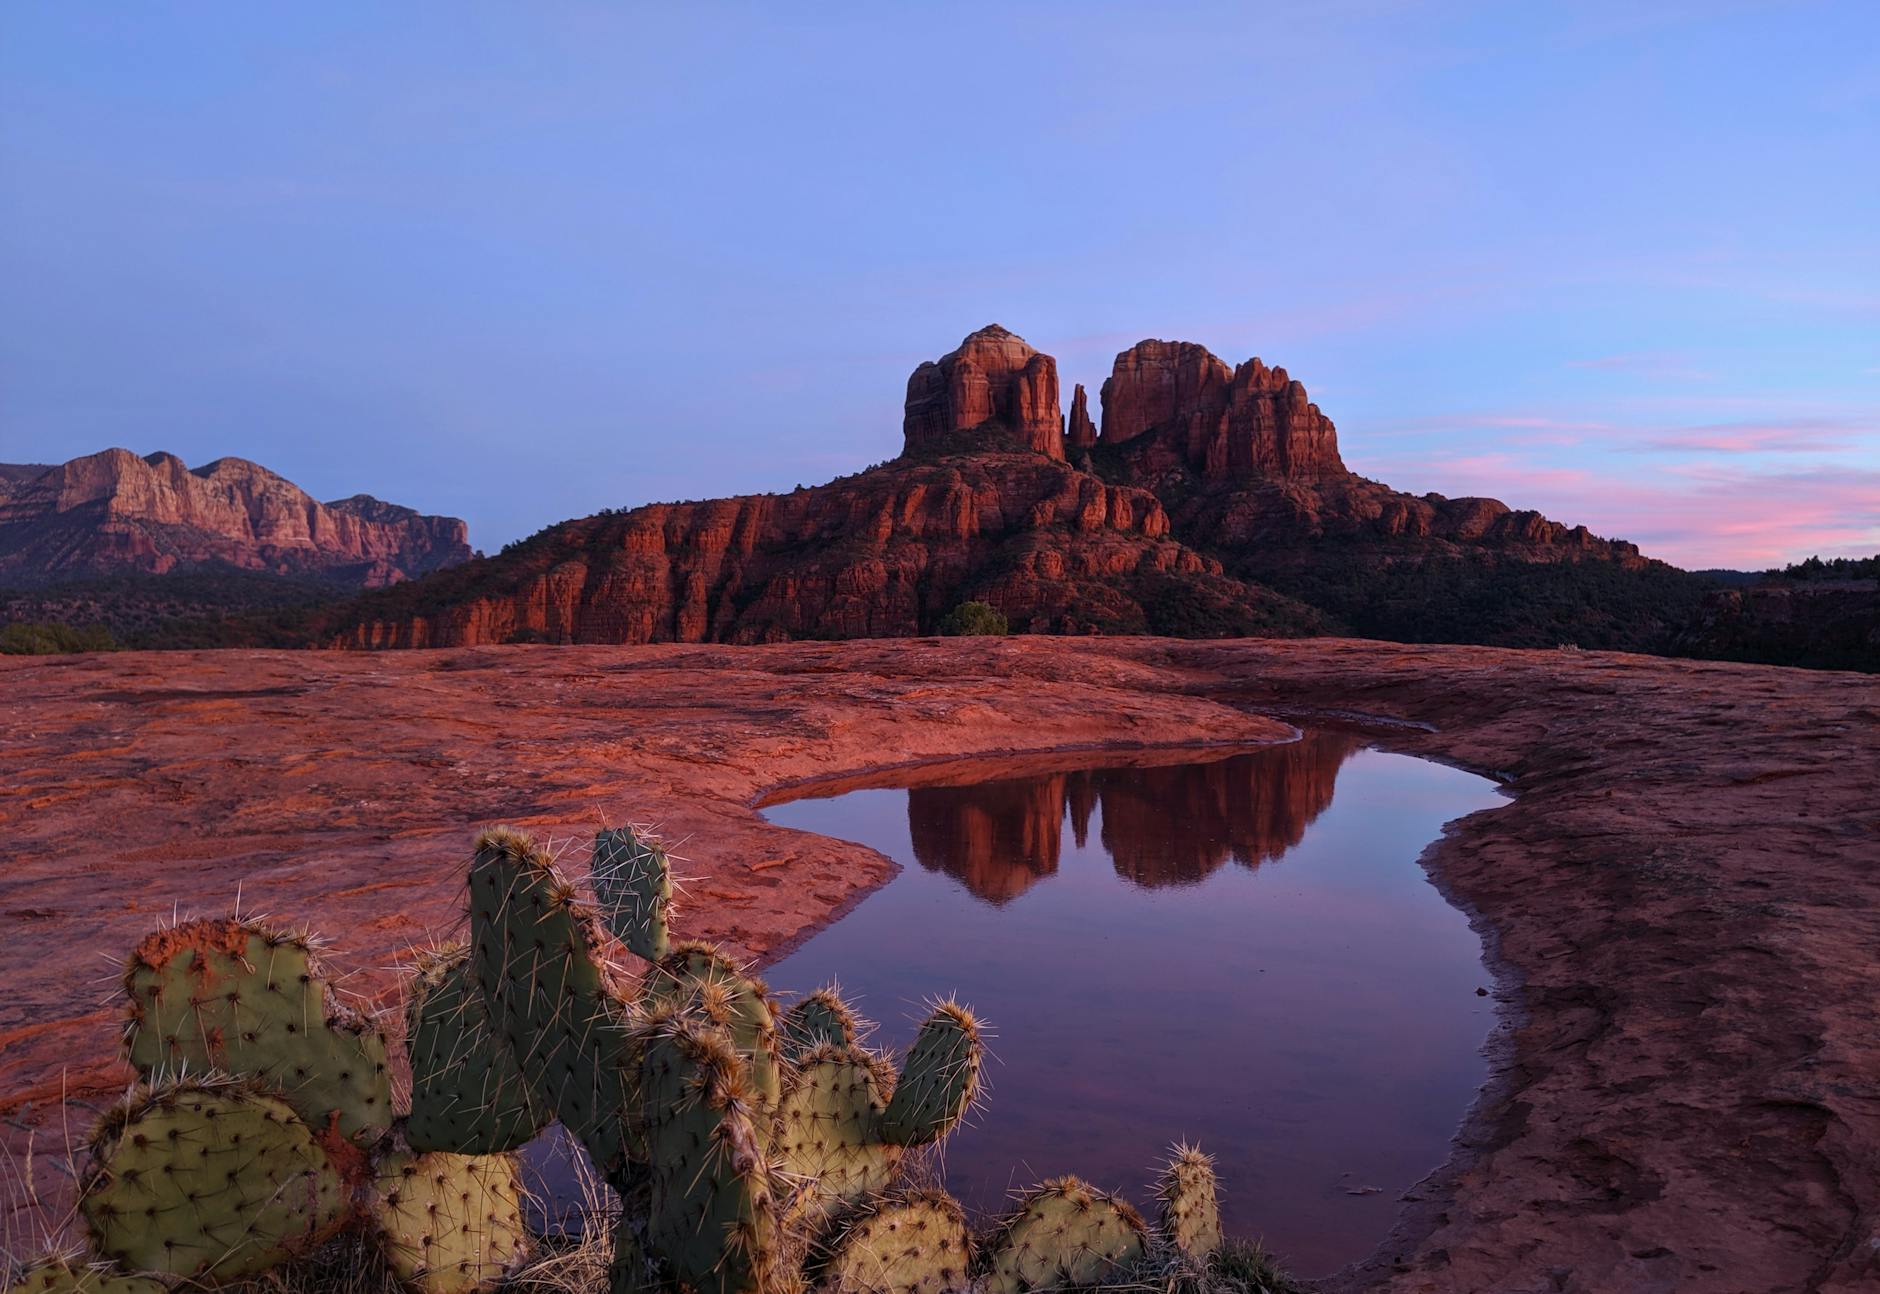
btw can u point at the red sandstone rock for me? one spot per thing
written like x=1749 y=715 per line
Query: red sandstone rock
x=113 y=511
x=1678 y=901
x=1081 y=433
x=1252 y=422
x=993 y=377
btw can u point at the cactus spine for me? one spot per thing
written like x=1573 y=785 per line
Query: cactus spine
x=208 y=1180
x=76 y=1276
x=1065 y=1234
x=914 y=1243
x=632 y=881
x=239 y=997
x=468 y=1096
x=450 y=1224
x=1191 y=1217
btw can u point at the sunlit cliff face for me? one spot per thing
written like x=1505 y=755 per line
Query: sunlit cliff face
x=1160 y=826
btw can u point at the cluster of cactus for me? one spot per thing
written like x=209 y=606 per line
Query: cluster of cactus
x=755 y=1152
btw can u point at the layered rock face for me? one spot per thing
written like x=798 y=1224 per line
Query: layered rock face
x=1222 y=424
x=993 y=378
x=887 y=553
x=114 y=512
x=1205 y=486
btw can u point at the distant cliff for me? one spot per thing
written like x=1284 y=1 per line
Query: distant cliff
x=113 y=513
x=1210 y=500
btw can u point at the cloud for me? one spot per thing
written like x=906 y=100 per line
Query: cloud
x=1664 y=364
x=1790 y=436
x=1693 y=514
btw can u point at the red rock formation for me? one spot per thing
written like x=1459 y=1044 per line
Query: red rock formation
x=993 y=377
x=1081 y=433
x=886 y=553
x=1251 y=422
x=113 y=511
x=1204 y=470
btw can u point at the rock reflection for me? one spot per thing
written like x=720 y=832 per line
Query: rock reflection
x=1172 y=825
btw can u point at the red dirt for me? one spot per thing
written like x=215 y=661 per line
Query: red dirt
x=1682 y=903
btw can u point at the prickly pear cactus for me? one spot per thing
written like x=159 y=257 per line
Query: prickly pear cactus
x=822 y=1017
x=632 y=881
x=913 y=1243
x=698 y=978
x=239 y=997
x=1065 y=1234
x=828 y=1125
x=77 y=1276
x=532 y=948
x=713 y=1216
x=630 y=1272
x=208 y=1180
x=938 y=1081
x=468 y=1096
x=1191 y=1217
x=450 y=1224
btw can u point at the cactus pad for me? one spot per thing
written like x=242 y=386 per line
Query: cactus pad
x=914 y=1244
x=450 y=1224
x=532 y=951
x=702 y=980
x=632 y=881
x=467 y=1095
x=713 y=1218
x=1064 y=1234
x=828 y=1125
x=208 y=1179
x=238 y=997
x=75 y=1276
x=822 y=1017
x=938 y=1081
x=1191 y=1217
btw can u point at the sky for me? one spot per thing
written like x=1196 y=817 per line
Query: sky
x=515 y=263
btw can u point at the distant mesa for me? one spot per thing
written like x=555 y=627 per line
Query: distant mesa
x=115 y=513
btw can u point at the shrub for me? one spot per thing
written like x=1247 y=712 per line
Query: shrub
x=54 y=639
x=973 y=619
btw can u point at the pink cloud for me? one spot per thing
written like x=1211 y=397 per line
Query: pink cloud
x=1790 y=436
x=1675 y=365
x=1693 y=515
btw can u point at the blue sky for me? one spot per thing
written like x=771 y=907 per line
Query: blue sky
x=519 y=262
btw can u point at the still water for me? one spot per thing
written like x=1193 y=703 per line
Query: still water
x=1239 y=950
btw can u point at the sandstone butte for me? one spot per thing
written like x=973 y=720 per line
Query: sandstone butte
x=1677 y=902
x=1161 y=521
x=114 y=512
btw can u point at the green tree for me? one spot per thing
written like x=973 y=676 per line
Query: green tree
x=970 y=619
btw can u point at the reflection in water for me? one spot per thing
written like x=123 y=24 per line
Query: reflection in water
x=1160 y=826
x=1309 y=1015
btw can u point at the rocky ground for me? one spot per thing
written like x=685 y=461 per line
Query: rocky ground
x=1682 y=903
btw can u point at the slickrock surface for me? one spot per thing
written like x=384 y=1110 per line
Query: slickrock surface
x=114 y=512
x=1682 y=901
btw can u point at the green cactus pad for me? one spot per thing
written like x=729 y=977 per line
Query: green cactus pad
x=208 y=1179
x=630 y=1272
x=916 y=1243
x=1065 y=1234
x=939 y=1081
x=450 y=1224
x=238 y=997
x=700 y=979
x=468 y=1096
x=76 y=1276
x=532 y=951
x=828 y=1125
x=1191 y=1217
x=713 y=1218
x=822 y=1017
x=632 y=881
